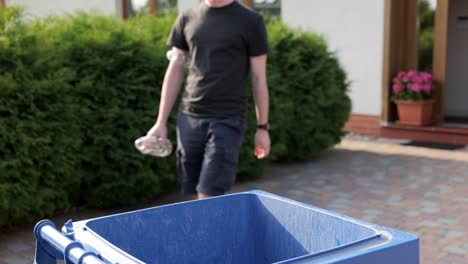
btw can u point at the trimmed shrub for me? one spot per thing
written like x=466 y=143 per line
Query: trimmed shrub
x=38 y=137
x=76 y=91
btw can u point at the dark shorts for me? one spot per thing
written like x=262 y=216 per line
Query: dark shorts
x=208 y=153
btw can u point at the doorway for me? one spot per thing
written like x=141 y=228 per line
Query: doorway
x=456 y=92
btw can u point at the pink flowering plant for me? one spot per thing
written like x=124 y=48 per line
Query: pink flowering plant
x=413 y=86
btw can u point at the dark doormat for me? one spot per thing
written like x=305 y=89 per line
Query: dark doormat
x=433 y=145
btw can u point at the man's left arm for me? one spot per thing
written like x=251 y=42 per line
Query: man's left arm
x=261 y=96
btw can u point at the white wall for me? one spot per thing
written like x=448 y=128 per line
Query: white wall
x=42 y=8
x=355 y=31
x=457 y=62
x=186 y=4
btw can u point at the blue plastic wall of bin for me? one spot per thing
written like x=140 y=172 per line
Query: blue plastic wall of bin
x=254 y=227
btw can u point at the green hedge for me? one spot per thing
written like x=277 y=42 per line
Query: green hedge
x=76 y=91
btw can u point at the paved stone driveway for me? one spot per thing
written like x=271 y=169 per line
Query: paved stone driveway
x=421 y=191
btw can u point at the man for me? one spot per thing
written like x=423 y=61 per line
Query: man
x=219 y=40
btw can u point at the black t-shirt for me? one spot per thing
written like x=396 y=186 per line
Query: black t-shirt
x=220 y=41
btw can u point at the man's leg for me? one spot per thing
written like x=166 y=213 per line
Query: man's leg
x=191 y=140
x=219 y=167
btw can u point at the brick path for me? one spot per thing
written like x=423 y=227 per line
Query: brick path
x=421 y=191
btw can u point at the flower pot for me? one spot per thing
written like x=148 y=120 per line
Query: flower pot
x=415 y=113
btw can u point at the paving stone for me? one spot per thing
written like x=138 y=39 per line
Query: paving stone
x=430 y=210
x=412 y=213
x=456 y=250
x=295 y=192
x=455 y=234
x=449 y=221
x=378 y=192
x=16 y=260
x=462 y=199
x=459 y=180
x=18 y=246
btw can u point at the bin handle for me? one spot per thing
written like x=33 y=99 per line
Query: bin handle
x=52 y=245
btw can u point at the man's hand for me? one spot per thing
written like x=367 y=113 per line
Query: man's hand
x=158 y=130
x=262 y=144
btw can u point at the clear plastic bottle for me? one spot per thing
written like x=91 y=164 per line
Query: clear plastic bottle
x=154 y=146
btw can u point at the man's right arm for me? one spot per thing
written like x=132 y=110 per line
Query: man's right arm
x=172 y=83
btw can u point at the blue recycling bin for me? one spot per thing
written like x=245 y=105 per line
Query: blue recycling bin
x=249 y=228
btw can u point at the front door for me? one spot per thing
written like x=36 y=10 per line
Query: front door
x=456 y=92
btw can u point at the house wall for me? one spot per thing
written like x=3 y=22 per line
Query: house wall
x=355 y=31
x=42 y=8
x=186 y=4
x=456 y=94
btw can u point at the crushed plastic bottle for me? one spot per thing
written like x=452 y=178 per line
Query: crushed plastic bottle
x=184 y=57
x=154 y=146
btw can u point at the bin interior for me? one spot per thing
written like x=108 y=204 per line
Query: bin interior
x=244 y=228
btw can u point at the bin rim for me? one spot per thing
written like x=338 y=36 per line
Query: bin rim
x=374 y=227
x=89 y=237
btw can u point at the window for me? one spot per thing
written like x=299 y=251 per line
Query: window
x=167 y=6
